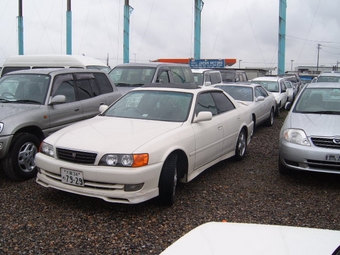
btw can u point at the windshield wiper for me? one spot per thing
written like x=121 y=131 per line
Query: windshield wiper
x=27 y=101
x=4 y=100
x=324 y=112
x=122 y=84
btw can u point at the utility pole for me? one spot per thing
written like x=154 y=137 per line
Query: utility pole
x=291 y=64
x=68 y=28
x=317 y=62
x=20 y=30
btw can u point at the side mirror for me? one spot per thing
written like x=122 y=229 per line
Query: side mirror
x=103 y=108
x=260 y=98
x=203 y=116
x=207 y=83
x=58 y=99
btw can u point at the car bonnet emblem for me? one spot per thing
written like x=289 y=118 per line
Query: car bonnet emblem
x=336 y=140
x=74 y=155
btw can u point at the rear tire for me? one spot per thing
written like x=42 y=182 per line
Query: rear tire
x=19 y=165
x=168 y=181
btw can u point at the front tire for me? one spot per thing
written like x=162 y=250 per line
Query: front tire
x=19 y=164
x=241 y=145
x=168 y=181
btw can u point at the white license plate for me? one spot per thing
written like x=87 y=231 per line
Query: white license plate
x=72 y=177
x=333 y=157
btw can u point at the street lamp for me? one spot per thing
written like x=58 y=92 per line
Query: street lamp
x=291 y=64
x=239 y=63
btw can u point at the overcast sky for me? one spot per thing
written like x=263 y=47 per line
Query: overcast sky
x=246 y=30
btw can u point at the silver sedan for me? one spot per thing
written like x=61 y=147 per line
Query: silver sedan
x=310 y=135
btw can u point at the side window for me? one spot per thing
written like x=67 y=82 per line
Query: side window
x=207 y=77
x=177 y=74
x=84 y=89
x=215 y=78
x=223 y=103
x=163 y=77
x=283 y=87
x=188 y=75
x=259 y=91
x=64 y=85
x=103 y=83
x=205 y=102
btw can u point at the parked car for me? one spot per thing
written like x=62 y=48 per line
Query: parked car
x=207 y=77
x=35 y=103
x=275 y=85
x=145 y=142
x=261 y=102
x=333 y=76
x=294 y=78
x=290 y=91
x=131 y=75
x=25 y=62
x=232 y=75
x=310 y=135
x=220 y=238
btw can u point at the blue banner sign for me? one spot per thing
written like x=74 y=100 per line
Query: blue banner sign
x=207 y=63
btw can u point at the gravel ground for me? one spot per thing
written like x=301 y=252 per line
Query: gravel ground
x=36 y=220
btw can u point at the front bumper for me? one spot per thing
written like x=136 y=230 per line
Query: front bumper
x=102 y=182
x=309 y=158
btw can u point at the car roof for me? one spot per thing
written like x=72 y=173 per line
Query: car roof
x=194 y=70
x=150 y=64
x=50 y=71
x=332 y=73
x=268 y=78
x=243 y=84
x=323 y=85
x=176 y=87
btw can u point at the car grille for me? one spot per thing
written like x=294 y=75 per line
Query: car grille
x=73 y=156
x=326 y=142
x=323 y=165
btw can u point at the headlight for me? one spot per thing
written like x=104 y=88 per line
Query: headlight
x=46 y=149
x=296 y=136
x=125 y=160
x=1 y=126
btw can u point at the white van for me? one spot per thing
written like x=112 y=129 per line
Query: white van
x=21 y=62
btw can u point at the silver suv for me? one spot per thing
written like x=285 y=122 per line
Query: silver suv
x=130 y=75
x=35 y=103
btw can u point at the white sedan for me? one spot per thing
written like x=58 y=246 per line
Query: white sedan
x=261 y=102
x=140 y=146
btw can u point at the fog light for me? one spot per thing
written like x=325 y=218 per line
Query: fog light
x=133 y=187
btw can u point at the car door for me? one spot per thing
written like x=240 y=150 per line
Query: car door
x=230 y=118
x=263 y=107
x=88 y=94
x=64 y=114
x=208 y=134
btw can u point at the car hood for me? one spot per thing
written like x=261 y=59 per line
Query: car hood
x=10 y=109
x=111 y=134
x=315 y=124
x=219 y=238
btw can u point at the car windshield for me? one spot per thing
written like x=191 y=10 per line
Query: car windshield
x=24 y=88
x=329 y=79
x=323 y=100
x=271 y=86
x=152 y=105
x=132 y=76
x=241 y=93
